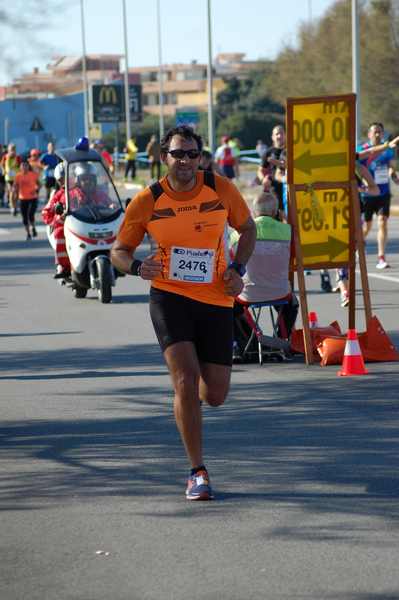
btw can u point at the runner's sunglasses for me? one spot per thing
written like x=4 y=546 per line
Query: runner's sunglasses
x=179 y=153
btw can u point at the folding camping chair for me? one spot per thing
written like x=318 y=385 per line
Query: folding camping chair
x=272 y=347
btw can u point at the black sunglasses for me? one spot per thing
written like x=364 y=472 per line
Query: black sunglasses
x=179 y=153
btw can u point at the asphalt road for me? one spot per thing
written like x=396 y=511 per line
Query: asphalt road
x=92 y=472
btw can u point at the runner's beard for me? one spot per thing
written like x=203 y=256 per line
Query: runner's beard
x=185 y=175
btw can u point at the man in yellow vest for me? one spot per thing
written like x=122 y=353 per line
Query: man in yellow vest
x=130 y=157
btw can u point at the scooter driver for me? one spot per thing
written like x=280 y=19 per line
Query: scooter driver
x=53 y=214
x=85 y=191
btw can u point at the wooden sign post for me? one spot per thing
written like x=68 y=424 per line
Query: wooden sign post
x=324 y=208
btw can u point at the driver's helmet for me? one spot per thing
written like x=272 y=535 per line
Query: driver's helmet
x=85 y=177
x=59 y=172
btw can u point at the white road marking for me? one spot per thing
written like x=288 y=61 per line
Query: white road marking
x=383 y=277
x=4 y=231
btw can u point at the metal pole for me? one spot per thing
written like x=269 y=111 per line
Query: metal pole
x=160 y=73
x=127 y=99
x=211 y=135
x=310 y=17
x=84 y=71
x=356 y=64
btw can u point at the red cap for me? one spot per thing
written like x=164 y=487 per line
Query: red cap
x=34 y=152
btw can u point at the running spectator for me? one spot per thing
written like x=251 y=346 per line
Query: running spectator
x=36 y=164
x=130 y=157
x=49 y=161
x=225 y=158
x=382 y=169
x=26 y=189
x=193 y=285
x=207 y=163
x=235 y=145
x=153 y=150
x=267 y=170
x=99 y=147
x=10 y=164
x=261 y=148
x=2 y=178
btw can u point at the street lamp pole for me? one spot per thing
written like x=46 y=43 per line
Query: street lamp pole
x=127 y=99
x=356 y=64
x=84 y=71
x=211 y=135
x=160 y=73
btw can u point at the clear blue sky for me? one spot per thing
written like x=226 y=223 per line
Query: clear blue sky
x=259 y=28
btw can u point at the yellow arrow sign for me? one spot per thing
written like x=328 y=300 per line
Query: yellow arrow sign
x=320 y=139
x=324 y=219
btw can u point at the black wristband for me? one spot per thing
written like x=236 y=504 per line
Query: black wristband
x=135 y=267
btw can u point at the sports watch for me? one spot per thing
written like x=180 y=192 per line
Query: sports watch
x=240 y=268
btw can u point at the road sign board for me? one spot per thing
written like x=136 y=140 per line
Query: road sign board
x=321 y=139
x=189 y=117
x=135 y=102
x=36 y=125
x=324 y=226
x=108 y=103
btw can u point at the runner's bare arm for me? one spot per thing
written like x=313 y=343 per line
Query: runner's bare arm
x=246 y=242
x=122 y=257
x=374 y=151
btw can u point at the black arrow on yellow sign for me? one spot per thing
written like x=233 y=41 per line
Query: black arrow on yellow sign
x=308 y=161
x=332 y=248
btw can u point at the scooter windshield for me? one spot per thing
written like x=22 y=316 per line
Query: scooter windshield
x=91 y=195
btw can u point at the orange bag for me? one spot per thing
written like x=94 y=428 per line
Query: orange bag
x=375 y=345
x=317 y=335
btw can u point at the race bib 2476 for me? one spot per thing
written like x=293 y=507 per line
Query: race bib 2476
x=194 y=265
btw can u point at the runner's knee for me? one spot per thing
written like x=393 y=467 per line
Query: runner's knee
x=215 y=399
x=185 y=384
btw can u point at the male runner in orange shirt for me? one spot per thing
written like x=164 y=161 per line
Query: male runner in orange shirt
x=193 y=285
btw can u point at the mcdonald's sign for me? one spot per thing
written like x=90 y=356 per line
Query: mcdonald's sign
x=108 y=103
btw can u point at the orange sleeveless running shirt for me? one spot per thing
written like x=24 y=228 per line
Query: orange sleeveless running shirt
x=190 y=229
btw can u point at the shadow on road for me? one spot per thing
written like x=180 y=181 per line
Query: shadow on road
x=324 y=451
x=43 y=362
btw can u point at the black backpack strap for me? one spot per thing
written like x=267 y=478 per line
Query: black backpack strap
x=156 y=190
x=209 y=180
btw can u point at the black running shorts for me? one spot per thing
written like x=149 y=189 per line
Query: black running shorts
x=177 y=318
x=379 y=205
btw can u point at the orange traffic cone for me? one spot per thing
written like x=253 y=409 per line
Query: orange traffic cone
x=353 y=363
x=313 y=322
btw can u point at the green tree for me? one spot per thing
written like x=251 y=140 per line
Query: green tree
x=245 y=109
x=321 y=62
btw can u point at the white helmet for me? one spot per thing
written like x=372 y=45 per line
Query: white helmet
x=59 y=171
x=85 y=174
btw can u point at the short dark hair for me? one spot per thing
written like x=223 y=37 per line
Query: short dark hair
x=183 y=131
x=376 y=124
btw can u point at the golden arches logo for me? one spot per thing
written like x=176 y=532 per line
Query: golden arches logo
x=108 y=95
